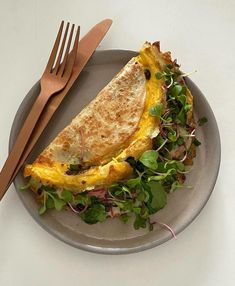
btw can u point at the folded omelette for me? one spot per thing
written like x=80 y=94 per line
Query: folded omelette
x=121 y=124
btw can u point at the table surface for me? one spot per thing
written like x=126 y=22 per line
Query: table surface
x=201 y=35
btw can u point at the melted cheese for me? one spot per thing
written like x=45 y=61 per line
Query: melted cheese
x=117 y=169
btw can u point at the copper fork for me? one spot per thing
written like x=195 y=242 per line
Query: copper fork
x=54 y=79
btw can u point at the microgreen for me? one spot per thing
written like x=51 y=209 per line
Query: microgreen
x=139 y=222
x=176 y=90
x=59 y=204
x=149 y=159
x=52 y=199
x=181 y=117
x=158 y=75
x=82 y=199
x=33 y=184
x=95 y=213
x=196 y=142
x=156 y=110
x=172 y=136
x=66 y=196
x=133 y=183
x=182 y=99
x=163 y=176
x=43 y=208
x=159 y=196
x=124 y=218
x=50 y=203
x=202 y=121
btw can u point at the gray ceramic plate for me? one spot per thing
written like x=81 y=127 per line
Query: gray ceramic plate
x=113 y=236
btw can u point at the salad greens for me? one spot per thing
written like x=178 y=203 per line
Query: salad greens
x=157 y=172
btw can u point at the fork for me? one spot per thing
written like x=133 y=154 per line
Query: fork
x=54 y=79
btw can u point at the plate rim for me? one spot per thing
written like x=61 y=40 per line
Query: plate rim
x=116 y=250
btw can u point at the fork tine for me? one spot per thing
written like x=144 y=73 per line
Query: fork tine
x=55 y=70
x=72 y=56
x=61 y=70
x=55 y=48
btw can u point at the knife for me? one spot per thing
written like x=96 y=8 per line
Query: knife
x=86 y=48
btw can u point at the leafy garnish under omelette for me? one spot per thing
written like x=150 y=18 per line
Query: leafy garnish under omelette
x=126 y=150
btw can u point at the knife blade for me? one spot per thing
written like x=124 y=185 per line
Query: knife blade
x=87 y=46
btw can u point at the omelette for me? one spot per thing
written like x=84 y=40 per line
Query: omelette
x=115 y=140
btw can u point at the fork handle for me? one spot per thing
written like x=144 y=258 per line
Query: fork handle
x=21 y=141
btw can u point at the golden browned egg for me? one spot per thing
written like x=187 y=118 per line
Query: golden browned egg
x=112 y=167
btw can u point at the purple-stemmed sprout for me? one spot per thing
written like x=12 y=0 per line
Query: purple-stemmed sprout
x=77 y=211
x=166 y=227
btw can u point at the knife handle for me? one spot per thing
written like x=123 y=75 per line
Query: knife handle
x=21 y=141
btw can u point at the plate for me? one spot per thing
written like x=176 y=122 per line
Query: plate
x=112 y=236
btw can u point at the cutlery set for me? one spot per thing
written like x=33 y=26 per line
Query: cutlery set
x=63 y=68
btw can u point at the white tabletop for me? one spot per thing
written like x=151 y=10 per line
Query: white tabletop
x=201 y=35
